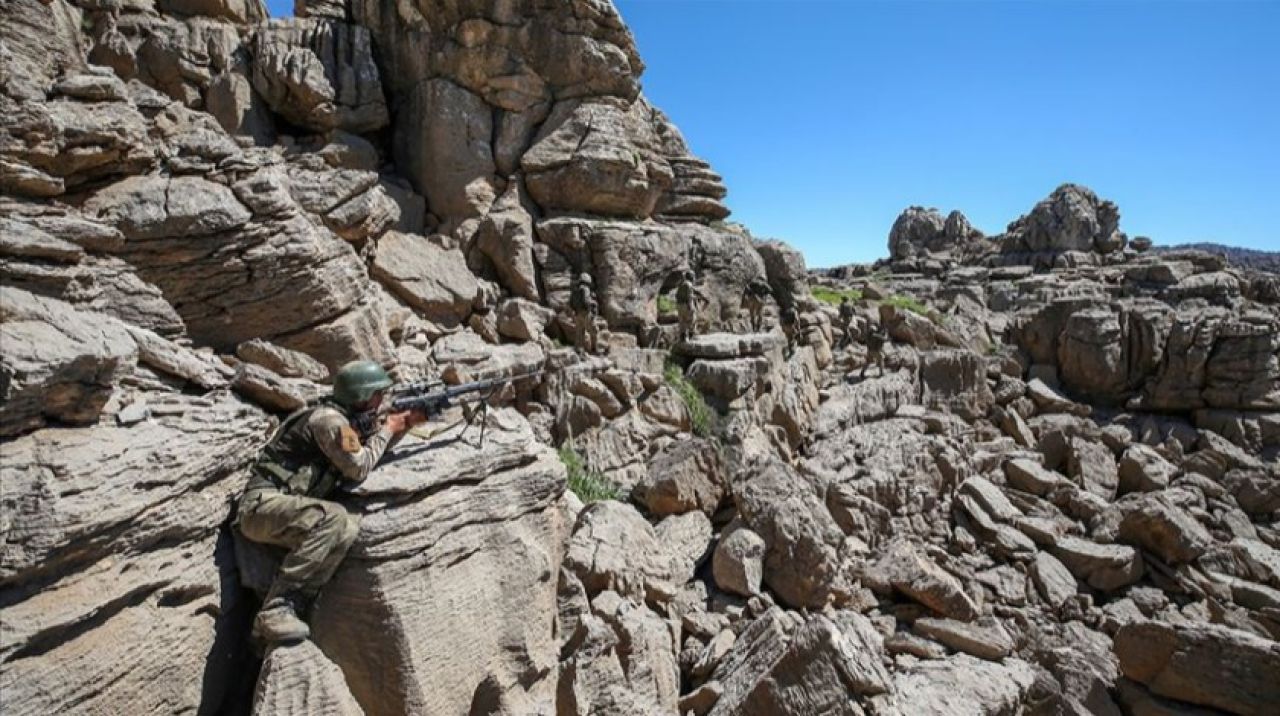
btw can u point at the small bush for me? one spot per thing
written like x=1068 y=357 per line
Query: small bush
x=700 y=414
x=835 y=296
x=666 y=304
x=911 y=304
x=588 y=485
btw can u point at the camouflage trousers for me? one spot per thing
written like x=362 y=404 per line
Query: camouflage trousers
x=317 y=533
x=586 y=333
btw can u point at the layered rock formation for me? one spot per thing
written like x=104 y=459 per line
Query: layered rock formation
x=1058 y=496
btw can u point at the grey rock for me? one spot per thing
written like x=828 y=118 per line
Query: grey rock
x=59 y=364
x=986 y=641
x=1202 y=664
x=686 y=475
x=299 y=679
x=737 y=564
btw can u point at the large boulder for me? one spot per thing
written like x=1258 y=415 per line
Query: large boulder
x=1072 y=218
x=686 y=475
x=442 y=522
x=58 y=364
x=1203 y=664
x=802 y=563
x=119 y=584
x=319 y=74
x=430 y=278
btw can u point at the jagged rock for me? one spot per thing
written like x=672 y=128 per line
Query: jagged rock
x=319 y=74
x=784 y=267
x=505 y=237
x=440 y=521
x=917 y=230
x=1102 y=566
x=956 y=381
x=432 y=279
x=802 y=564
x=728 y=380
x=1072 y=218
x=1049 y=400
x=985 y=641
x=687 y=475
x=298 y=680
x=723 y=346
x=782 y=665
x=1142 y=469
x=269 y=389
x=1093 y=466
x=285 y=362
x=104 y=608
x=917 y=330
x=1030 y=476
x=200 y=369
x=1053 y=580
x=523 y=320
x=738 y=562
x=687 y=538
x=907 y=570
x=614 y=548
x=1155 y=523
x=646 y=650
x=1202 y=664
x=599 y=157
x=58 y=363
x=963 y=684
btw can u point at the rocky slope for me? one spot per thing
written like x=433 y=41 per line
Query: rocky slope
x=1059 y=496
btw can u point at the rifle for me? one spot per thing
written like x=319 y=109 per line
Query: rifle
x=433 y=397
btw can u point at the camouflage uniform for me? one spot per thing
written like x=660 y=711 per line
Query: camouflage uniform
x=846 y=321
x=686 y=298
x=875 y=339
x=756 y=292
x=284 y=505
x=585 y=309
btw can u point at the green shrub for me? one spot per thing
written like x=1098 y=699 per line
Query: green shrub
x=911 y=304
x=666 y=304
x=588 y=485
x=700 y=414
x=835 y=296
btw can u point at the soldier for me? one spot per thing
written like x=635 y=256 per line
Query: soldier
x=757 y=291
x=787 y=316
x=846 y=321
x=585 y=310
x=875 y=339
x=284 y=503
x=686 y=303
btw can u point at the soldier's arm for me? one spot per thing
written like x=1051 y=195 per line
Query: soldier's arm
x=340 y=443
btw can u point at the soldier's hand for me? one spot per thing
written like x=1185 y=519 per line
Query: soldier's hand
x=399 y=422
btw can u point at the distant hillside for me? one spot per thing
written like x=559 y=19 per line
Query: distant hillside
x=1245 y=258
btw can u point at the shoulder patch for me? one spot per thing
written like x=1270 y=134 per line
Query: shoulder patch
x=350 y=441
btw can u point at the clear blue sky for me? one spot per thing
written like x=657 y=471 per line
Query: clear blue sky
x=827 y=118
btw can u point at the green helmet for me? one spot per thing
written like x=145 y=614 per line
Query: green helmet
x=357 y=381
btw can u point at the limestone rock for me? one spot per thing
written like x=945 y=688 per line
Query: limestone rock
x=963 y=684
x=915 y=575
x=687 y=475
x=598 y=157
x=441 y=522
x=505 y=237
x=1156 y=523
x=299 y=679
x=802 y=564
x=1102 y=566
x=523 y=320
x=614 y=548
x=985 y=641
x=127 y=611
x=58 y=363
x=433 y=280
x=737 y=564
x=1142 y=469
x=1202 y=664
x=956 y=381
x=319 y=74
x=1072 y=218
x=285 y=362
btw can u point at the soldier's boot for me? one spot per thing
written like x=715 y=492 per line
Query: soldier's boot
x=279 y=622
